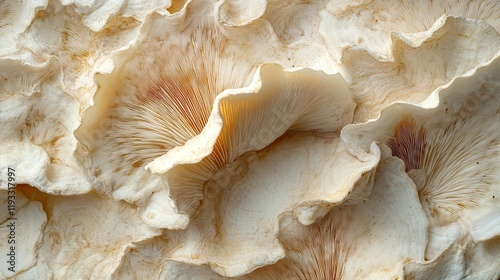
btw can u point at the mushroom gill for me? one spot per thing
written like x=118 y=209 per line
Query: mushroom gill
x=386 y=18
x=408 y=143
x=164 y=98
x=450 y=145
x=458 y=161
x=249 y=119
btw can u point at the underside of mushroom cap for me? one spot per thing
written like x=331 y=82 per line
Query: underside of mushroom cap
x=162 y=95
x=159 y=97
x=450 y=145
x=249 y=119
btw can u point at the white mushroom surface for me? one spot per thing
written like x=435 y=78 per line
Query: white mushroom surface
x=259 y=189
x=38 y=119
x=250 y=119
x=266 y=139
x=450 y=145
x=453 y=46
x=78 y=246
x=144 y=117
x=369 y=24
x=23 y=231
x=390 y=222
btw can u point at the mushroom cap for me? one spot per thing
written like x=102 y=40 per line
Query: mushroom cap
x=369 y=25
x=453 y=46
x=339 y=245
x=301 y=175
x=249 y=119
x=453 y=140
x=138 y=119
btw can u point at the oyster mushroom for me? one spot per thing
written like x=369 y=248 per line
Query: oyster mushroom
x=390 y=222
x=145 y=117
x=198 y=126
x=21 y=231
x=450 y=145
x=37 y=120
x=250 y=119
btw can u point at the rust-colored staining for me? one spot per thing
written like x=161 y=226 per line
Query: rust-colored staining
x=408 y=143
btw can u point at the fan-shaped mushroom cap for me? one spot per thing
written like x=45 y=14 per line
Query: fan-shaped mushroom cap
x=450 y=145
x=145 y=117
x=250 y=119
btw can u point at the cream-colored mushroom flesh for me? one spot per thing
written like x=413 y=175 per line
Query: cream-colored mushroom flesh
x=265 y=139
x=337 y=246
x=258 y=190
x=164 y=94
x=250 y=119
x=450 y=145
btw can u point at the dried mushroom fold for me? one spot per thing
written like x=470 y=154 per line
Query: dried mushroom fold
x=15 y=18
x=302 y=174
x=23 y=232
x=37 y=120
x=161 y=95
x=450 y=145
x=76 y=236
x=249 y=119
x=368 y=25
x=389 y=223
x=453 y=46
x=479 y=260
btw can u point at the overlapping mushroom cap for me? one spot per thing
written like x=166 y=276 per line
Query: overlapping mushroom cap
x=184 y=95
x=450 y=145
x=369 y=25
x=251 y=139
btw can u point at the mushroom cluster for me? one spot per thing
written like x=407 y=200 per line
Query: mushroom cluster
x=196 y=139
